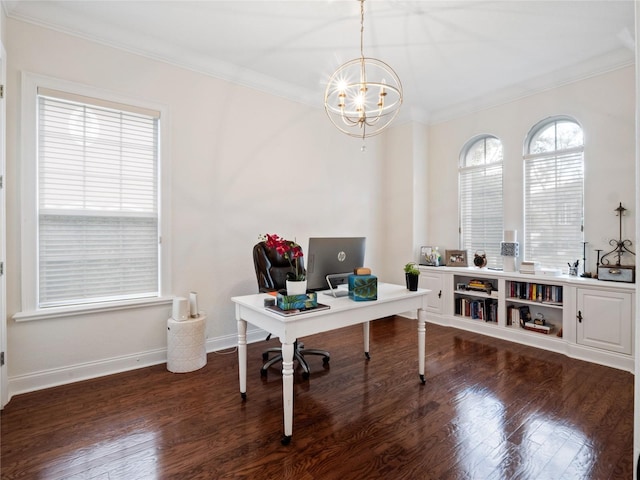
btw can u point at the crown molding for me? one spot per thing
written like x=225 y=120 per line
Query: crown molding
x=615 y=60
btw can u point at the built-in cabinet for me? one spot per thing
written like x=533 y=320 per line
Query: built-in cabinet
x=604 y=319
x=580 y=317
x=433 y=281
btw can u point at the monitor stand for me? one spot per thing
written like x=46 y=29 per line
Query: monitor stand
x=335 y=291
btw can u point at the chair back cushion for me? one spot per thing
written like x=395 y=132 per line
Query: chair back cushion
x=271 y=268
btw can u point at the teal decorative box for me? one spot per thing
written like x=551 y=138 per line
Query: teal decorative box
x=363 y=288
x=297 y=302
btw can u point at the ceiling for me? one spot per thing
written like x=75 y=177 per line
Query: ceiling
x=452 y=56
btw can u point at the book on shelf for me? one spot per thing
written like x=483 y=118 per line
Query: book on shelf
x=536 y=292
x=546 y=329
x=513 y=316
x=524 y=315
x=517 y=316
x=478 y=309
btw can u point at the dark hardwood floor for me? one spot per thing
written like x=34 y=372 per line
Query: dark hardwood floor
x=490 y=409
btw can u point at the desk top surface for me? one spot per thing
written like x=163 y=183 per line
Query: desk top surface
x=387 y=292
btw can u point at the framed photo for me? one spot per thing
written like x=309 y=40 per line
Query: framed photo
x=456 y=258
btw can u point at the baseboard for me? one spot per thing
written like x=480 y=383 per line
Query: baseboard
x=75 y=373
x=553 y=343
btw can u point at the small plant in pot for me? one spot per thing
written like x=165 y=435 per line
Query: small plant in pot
x=412 y=274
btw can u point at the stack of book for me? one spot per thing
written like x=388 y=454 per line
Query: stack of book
x=534 y=327
x=480 y=286
x=528 y=267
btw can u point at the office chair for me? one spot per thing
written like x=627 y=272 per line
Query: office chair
x=271 y=273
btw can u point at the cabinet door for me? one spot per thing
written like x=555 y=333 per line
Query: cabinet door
x=433 y=282
x=604 y=320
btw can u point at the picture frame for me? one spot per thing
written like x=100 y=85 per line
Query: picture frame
x=456 y=258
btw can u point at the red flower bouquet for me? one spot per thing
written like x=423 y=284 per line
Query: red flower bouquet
x=289 y=250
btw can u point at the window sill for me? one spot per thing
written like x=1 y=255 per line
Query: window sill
x=75 y=310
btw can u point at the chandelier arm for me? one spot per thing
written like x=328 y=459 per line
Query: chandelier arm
x=349 y=121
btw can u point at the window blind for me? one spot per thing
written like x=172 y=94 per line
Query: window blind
x=98 y=224
x=554 y=207
x=480 y=196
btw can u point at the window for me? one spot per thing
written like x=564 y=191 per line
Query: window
x=480 y=189
x=553 y=192
x=91 y=200
x=97 y=201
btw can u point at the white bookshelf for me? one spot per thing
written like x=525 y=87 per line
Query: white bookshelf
x=590 y=319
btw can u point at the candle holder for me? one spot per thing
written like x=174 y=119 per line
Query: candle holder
x=617 y=272
x=509 y=249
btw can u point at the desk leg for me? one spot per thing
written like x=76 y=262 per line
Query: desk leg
x=365 y=331
x=422 y=321
x=287 y=390
x=242 y=356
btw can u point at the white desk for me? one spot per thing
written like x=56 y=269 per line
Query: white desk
x=392 y=300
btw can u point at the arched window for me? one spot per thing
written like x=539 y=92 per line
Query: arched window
x=553 y=192
x=480 y=192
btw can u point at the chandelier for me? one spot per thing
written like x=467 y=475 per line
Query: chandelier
x=364 y=95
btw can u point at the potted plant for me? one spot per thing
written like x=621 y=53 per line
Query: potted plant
x=411 y=274
x=296 y=278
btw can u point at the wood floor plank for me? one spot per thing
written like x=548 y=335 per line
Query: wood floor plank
x=490 y=409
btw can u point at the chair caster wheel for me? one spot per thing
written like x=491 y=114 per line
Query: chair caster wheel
x=286 y=440
x=325 y=361
x=305 y=375
x=263 y=372
x=265 y=357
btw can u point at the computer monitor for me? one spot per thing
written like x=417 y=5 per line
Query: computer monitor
x=335 y=256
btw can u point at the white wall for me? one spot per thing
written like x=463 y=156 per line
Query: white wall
x=243 y=163
x=405 y=197
x=397 y=199
x=3 y=29
x=603 y=105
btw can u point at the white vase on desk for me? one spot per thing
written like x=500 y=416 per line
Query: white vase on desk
x=296 y=287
